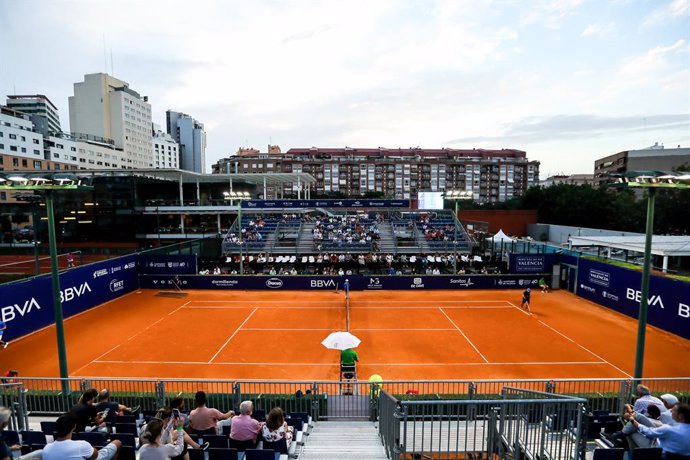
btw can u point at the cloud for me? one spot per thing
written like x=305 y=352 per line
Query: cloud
x=550 y=14
x=599 y=30
x=653 y=61
x=671 y=11
x=306 y=34
x=564 y=127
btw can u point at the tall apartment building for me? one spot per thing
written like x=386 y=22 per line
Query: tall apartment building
x=491 y=175
x=107 y=109
x=41 y=111
x=165 y=150
x=191 y=137
x=655 y=158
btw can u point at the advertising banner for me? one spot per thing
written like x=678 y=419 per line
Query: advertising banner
x=168 y=264
x=619 y=289
x=357 y=283
x=531 y=263
x=294 y=204
x=28 y=305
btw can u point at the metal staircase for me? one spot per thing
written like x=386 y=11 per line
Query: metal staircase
x=343 y=441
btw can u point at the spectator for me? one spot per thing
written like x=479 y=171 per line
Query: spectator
x=674 y=439
x=86 y=413
x=203 y=419
x=168 y=435
x=178 y=403
x=113 y=409
x=158 y=449
x=276 y=428
x=5 y=450
x=669 y=401
x=644 y=399
x=64 y=447
x=244 y=427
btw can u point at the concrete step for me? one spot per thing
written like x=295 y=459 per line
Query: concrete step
x=343 y=441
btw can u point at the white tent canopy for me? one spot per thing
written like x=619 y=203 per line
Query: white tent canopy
x=500 y=236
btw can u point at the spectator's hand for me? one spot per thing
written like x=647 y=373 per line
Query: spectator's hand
x=179 y=422
x=99 y=420
x=16 y=447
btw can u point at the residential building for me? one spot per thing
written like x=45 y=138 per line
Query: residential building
x=107 y=109
x=656 y=157
x=191 y=137
x=491 y=175
x=41 y=111
x=572 y=179
x=165 y=150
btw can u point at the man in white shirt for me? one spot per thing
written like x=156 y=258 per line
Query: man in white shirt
x=64 y=448
x=644 y=399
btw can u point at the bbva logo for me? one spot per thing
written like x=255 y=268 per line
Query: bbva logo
x=321 y=283
x=10 y=312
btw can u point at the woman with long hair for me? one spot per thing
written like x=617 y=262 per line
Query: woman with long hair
x=276 y=428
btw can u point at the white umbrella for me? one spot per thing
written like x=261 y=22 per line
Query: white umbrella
x=341 y=341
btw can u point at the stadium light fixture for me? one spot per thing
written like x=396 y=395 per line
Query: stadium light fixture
x=47 y=185
x=457 y=195
x=651 y=181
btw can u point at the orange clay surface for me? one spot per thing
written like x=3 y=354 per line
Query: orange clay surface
x=26 y=264
x=428 y=335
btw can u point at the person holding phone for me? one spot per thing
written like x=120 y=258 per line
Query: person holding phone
x=168 y=433
x=156 y=449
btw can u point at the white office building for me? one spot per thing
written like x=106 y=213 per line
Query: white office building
x=41 y=111
x=165 y=150
x=191 y=137
x=20 y=146
x=107 y=109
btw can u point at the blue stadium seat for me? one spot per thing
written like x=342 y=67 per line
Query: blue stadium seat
x=216 y=441
x=646 y=453
x=222 y=454
x=259 y=454
x=279 y=446
x=48 y=428
x=259 y=414
x=608 y=454
x=127 y=439
x=95 y=438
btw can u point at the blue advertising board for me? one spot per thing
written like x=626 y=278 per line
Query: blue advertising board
x=167 y=264
x=531 y=263
x=357 y=283
x=618 y=288
x=294 y=204
x=27 y=306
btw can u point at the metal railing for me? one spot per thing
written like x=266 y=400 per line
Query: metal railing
x=518 y=424
x=328 y=399
x=13 y=396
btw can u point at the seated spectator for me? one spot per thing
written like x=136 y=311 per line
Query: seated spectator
x=6 y=452
x=674 y=439
x=644 y=399
x=64 y=447
x=669 y=401
x=203 y=420
x=157 y=447
x=244 y=427
x=276 y=428
x=113 y=409
x=169 y=436
x=86 y=413
x=178 y=403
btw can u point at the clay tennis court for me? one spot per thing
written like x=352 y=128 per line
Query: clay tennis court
x=405 y=335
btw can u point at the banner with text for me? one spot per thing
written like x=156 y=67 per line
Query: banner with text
x=27 y=306
x=531 y=263
x=294 y=204
x=167 y=264
x=357 y=283
x=619 y=289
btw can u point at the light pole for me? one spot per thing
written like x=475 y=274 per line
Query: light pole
x=48 y=185
x=650 y=180
x=456 y=196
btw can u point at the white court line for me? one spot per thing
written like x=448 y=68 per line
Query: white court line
x=586 y=349
x=400 y=329
x=287 y=329
x=463 y=334
x=227 y=363
x=230 y=307
x=468 y=307
x=519 y=309
x=147 y=327
x=323 y=301
x=233 y=335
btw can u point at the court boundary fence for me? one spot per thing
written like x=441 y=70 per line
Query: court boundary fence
x=323 y=400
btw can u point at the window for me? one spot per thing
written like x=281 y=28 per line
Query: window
x=23 y=138
x=2 y=146
x=13 y=136
x=36 y=141
x=15 y=162
x=13 y=148
x=2 y=134
x=3 y=196
x=37 y=164
x=74 y=149
x=56 y=155
x=57 y=167
x=23 y=149
x=37 y=152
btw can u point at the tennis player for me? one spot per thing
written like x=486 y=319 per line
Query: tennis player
x=3 y=326
x=525 y=299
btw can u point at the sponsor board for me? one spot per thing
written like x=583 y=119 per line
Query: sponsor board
x=168 y=264
x=618 y=288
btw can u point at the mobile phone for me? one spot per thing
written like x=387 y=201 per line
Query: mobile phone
x=176 y=413
x=104 y=414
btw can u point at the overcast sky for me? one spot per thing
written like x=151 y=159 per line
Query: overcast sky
x=568 y=81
